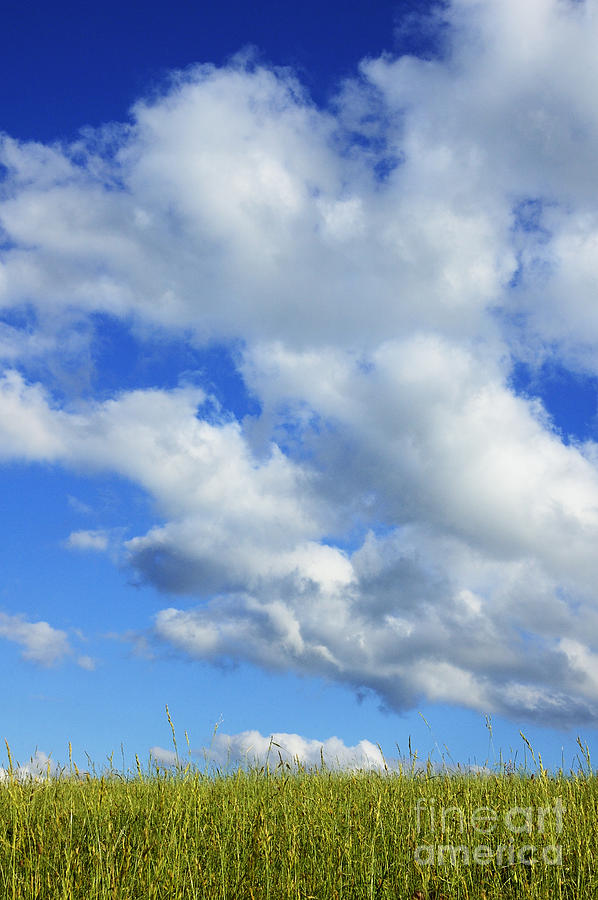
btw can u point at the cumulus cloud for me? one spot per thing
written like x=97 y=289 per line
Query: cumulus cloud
x=233 y=181
x=395 y=517
x=41 y=643
x=39 y=766
x=253 y=748
x=204 y=476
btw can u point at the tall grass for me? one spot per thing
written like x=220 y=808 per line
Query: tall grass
x=287 y=832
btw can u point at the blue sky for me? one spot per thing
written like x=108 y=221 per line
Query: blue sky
x=298 y=378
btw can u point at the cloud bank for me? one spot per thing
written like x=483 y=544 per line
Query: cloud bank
x=396 y=517
x=255 y=749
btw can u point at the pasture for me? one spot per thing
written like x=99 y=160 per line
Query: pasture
x=282 y=831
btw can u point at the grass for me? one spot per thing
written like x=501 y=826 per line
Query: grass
x=286 y=832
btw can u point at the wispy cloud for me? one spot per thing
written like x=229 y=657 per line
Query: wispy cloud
x=87 y=540
x=86 y=662
x=79 y=506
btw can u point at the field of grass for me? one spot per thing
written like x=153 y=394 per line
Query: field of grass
x=285 y=832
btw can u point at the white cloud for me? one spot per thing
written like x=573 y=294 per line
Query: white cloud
x=395 y=517
x=87 y=663
x=164 y=757
x=41 y=643
x=253 y=748
x=26 y=430
x=204 y=476
x=438 y=437
x=88 y=540
x=510 y=117
x=475 y=489
x=234 y=183
x=79 y=506
x=40 y=766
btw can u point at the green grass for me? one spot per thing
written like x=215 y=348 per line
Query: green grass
x=290 y=833
x=283 y=831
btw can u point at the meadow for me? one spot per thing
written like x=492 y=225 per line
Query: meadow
x=283 y=831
